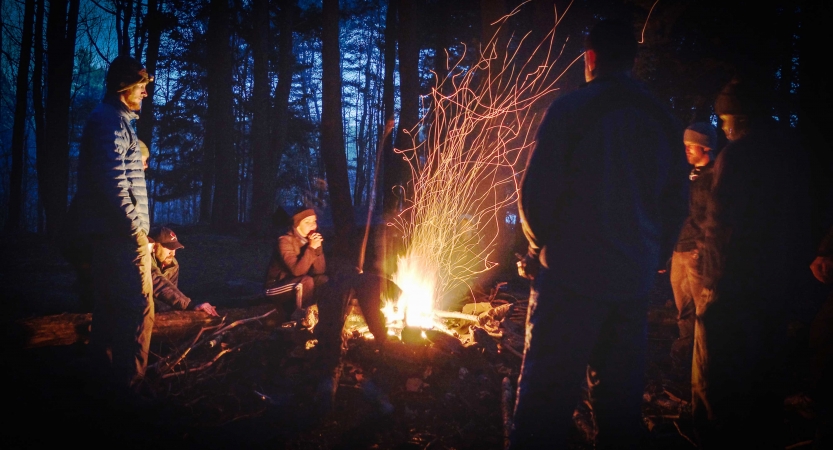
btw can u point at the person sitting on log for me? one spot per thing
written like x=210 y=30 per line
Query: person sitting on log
x=298 y=261
x=165 y=273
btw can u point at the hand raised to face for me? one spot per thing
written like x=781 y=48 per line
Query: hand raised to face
x=315 y=239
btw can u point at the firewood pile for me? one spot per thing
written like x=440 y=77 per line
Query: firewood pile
x=253 y=381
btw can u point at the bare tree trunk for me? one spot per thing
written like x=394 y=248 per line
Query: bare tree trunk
x=408 y=78
x=221 y=117
x=393 y=168
x=20 y=120
x=286 y=62
x=124 y=14
x=37 y=80
x=332 y=132
x=363 y=134
x=264 y=173
x=53 y=161
x=147 y=119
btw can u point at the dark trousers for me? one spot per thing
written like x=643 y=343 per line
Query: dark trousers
x=821 y=373
x=123 y=316
x=311 y=287
x=369 y=290
x=738 y=377
x=566 y=332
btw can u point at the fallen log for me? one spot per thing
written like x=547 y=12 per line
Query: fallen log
x=68 y=329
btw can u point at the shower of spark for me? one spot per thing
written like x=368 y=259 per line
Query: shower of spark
x=468 y=153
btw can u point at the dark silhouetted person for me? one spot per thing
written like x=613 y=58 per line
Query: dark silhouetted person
x=602 y=202
x=112 y=218
x=821 y=346
x=686 y=277
x=755 y=250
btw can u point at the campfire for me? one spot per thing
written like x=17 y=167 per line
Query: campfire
x=466 y=163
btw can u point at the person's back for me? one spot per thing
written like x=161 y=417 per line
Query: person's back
x=602 y=201
x=613 y=181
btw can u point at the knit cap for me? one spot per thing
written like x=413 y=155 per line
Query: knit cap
x=740 y=98
x=702 y=134
x=301 y=215
x=124 y=73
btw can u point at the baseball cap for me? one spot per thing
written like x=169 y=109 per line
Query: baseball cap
x=165 y=237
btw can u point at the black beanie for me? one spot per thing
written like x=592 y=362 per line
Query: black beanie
x=740 y=98
x=125 y=72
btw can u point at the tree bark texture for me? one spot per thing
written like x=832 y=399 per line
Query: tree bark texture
x=286 y=64
x=263 y=171
x=221 y=117
x=394 y=169
x=332 y=133
x=20 y=119
x=53 y=157
x=147 y=119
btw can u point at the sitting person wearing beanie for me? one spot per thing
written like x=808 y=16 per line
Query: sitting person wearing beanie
x=165 y=272
x=298 y=260
x=700 y=141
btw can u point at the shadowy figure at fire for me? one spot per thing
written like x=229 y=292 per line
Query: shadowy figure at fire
x=598 y=220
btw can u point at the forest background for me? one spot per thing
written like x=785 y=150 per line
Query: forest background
x=263 y=106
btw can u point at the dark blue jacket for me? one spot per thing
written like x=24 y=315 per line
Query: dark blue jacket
x=112 y=195
x=605 y=191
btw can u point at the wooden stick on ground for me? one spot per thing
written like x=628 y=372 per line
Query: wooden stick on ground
x=506 y=403
x=204 y=365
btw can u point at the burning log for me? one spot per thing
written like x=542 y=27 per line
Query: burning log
x=68 y=329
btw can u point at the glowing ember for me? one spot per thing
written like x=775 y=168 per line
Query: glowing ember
x=466 y=161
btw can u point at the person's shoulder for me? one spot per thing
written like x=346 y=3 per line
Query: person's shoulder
x=287 y=237
x=105 y=115
x=574 y=99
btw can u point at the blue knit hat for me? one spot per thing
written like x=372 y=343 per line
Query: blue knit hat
x=702 y=134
